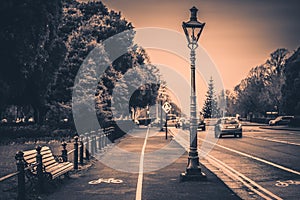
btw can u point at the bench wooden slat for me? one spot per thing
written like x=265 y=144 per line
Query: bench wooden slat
x=50 y=165
x=62 y=170
x=54 y=168
x=70 y=168
x=29 y=152
x=30 y=161
x=48 y=158
x=29 y=156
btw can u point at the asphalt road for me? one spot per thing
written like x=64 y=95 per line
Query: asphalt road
x=141 y=165
x=264 y=164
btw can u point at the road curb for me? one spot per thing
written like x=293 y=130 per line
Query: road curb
x=280 y=128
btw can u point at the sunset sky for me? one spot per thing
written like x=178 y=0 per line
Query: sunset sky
x=238 y=34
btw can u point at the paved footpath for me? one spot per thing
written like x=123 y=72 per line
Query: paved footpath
x=146 y=169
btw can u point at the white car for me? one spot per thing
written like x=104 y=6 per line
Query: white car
x=281 y=120
x=4 y=121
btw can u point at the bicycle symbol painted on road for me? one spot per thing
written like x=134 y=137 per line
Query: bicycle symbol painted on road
x=286 y=183
x=103 y=180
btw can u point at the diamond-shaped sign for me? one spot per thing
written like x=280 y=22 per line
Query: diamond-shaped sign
x=167 y=107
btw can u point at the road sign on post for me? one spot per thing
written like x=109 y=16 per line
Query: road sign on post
x=167 y=107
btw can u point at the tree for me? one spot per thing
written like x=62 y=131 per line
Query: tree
x=276 y=65
x=138 y=88
x=43 y=45
x=260 y=91
x=210 y=108
x=249 y=90
x=85 y=25
x=291 y=88
x=30 y=50
x=230 y=100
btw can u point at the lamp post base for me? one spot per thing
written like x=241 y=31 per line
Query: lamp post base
x=192 y=175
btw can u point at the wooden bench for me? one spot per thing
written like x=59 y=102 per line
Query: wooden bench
x=52 y=166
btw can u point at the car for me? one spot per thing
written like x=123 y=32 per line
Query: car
x=4 y=121
x=228 y=126
x=177 y=125
x=201 y=125
x=184 y=123
x=211 y=121
x=172 y=120
x=281 y=120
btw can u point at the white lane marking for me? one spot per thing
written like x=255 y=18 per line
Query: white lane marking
x=139 y=186
x=274 y=140
x=252 y=185
x=232 y=172
x=255 y=158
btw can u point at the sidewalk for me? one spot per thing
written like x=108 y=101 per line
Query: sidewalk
x=162 y=183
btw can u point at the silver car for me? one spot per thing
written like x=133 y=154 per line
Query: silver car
x=228 y=126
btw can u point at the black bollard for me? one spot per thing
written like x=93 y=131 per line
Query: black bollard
x=64 y=153
x=92 y=143
x=76 y=152
x=81 y=153
x=87 y=152
x=39 y=169
x=21 y=175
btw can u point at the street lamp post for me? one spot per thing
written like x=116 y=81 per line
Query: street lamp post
x=161 y=99
x=192 y=30
x=161 y=112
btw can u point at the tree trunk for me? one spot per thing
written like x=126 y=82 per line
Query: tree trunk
x=36 y=114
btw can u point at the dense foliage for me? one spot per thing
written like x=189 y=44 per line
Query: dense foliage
x=43 y=45
x=291 y=87
x=30 y=51
x=270 y=87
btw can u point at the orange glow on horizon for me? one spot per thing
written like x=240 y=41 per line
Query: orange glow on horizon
x=238 y=35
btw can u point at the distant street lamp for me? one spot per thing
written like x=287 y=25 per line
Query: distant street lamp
x=192 y=30
x=161 y=122
x=161 y=98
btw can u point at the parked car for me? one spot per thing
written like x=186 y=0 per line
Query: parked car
x=281 y=120
x=4 y=121
x=228 y=126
